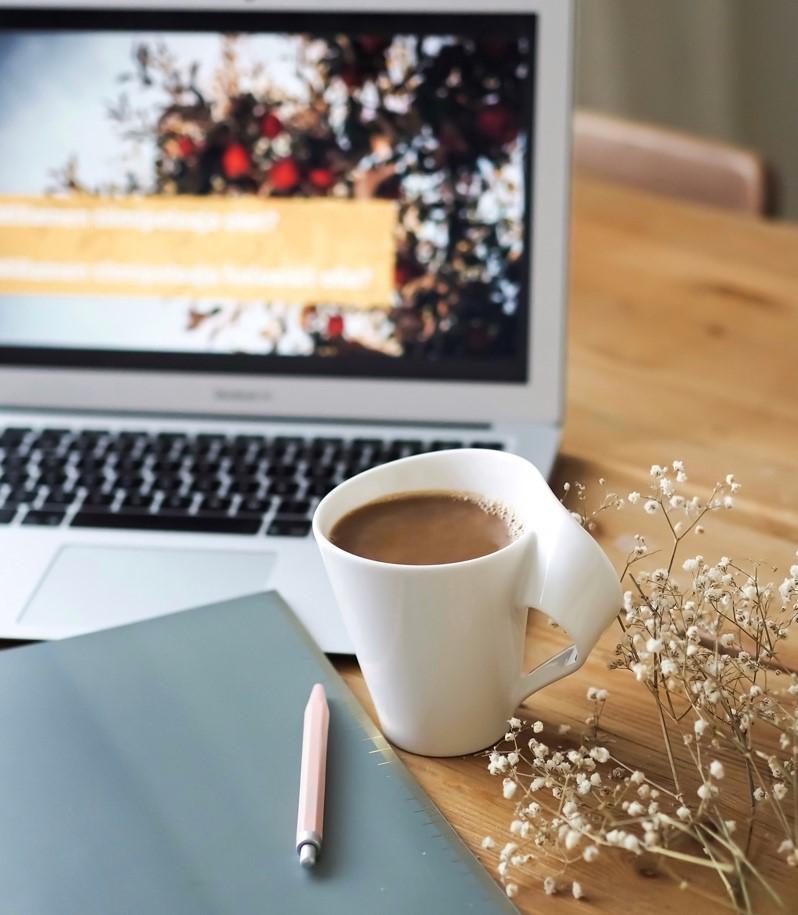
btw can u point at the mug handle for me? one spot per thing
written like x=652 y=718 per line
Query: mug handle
x=573 y=582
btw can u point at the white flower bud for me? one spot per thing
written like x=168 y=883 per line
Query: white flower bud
x=631 y=843
x=706 y=791
x=572 y=839
x=600 y=754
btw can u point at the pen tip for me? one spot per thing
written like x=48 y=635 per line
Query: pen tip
x=318 y=690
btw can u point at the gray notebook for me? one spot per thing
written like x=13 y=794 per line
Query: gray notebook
x=154 y=769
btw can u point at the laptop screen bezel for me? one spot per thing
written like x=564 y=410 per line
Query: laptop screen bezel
x=77 y=380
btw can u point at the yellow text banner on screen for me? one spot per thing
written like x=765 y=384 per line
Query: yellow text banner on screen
x=244 y=249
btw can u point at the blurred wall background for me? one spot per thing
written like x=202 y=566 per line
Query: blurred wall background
x=722 y=68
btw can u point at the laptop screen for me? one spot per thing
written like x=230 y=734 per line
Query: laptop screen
x=286 y=194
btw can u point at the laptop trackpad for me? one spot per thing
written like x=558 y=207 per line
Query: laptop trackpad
x=95 y=587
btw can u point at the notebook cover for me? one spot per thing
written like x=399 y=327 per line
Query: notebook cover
x=154 y=769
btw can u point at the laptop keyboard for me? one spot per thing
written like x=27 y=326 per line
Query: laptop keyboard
x=170 y=481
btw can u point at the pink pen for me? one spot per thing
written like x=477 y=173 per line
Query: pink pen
x=310 y=818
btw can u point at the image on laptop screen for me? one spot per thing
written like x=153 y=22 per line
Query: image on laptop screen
x=281 y=194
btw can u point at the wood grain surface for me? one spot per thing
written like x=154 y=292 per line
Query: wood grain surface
x=682 y=344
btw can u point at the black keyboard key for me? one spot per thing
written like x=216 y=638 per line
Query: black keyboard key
x=371 y=443
x=88 y=463
x=137 y=501
x=59 y=497
x=90 y=437
x=50 y=437
x=99 y=500
x=23 y=494
x=7 y=515
x=444 y=446
x=205 y=484
x=323 y=443
x=52 y=478
x=293 y=507
x=246 y=487
x=91 y=480
x=320 y=488
x=244 y=471
x=206 y=442
x=45 y=518
x=129 y=464
x=493 y=446
x=351 y=470
x=202 y=467
x=283 y=488
x=254 y=505
x=167 y=440
x=214 y=503
x=129 y=440
x=176 y=503
x=282 y=470
x=246 y=442
x=202 y=524
x=284 y=442
x=321 y=471
x=11 y=436
x=165 y=466
x=130 y=481
x=288 y=527
x=167 y=482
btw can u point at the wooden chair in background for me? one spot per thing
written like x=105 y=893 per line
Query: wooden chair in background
x=669 y=162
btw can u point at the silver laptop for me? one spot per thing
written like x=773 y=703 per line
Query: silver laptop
x=248 y=250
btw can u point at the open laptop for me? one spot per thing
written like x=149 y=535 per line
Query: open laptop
x=248 y=250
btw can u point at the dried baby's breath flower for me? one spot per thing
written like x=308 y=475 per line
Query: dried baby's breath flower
x=702 y=639
x=716 y=769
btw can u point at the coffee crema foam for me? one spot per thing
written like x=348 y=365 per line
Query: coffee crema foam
x=499 y=510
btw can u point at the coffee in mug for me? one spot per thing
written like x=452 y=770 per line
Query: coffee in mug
x=426 y=528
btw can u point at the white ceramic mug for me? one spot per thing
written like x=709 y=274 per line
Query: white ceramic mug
x=441 y=646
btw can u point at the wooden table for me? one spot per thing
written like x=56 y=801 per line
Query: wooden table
x=682 y=344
